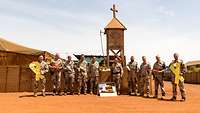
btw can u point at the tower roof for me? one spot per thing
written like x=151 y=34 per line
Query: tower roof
x=116 y=24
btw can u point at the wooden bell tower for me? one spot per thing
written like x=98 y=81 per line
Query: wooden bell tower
x=115 y=39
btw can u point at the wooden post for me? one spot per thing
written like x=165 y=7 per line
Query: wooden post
x=6 y=78
x=20 y=70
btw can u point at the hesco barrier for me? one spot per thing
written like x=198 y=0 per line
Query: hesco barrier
x=19 y=79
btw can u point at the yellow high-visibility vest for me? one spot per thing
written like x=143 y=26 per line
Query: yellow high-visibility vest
x=176 y=70
x=35 y=67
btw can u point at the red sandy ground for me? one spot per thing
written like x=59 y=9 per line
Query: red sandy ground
x=25 y=103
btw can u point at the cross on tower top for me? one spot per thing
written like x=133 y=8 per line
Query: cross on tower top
x=113 y=10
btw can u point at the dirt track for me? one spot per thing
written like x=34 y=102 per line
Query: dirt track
x=25 y=103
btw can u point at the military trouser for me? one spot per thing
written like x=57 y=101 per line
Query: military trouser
x=42 y=82
x=181 y=87
x=82 y=82
x=117 y=81
x=158 y=81
x=132 y=85
x=69 y=83
x=144 y=84
x=94 y=84
x=56 y=82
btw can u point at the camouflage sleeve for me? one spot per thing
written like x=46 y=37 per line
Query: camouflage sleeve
x=137 y=68
x=122 y=71
x=149 y=69
x=154 y=66
x=183 y=68
x=89 y=68
x=164 y=66
x=64 y=66
x=128 y=66
x=140 y=69
x=46 y=68
x=153 y=70
x=60 y=64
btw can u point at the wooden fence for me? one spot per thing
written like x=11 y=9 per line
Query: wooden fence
x=192 y=78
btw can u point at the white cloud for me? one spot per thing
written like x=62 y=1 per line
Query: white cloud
x=165 y=11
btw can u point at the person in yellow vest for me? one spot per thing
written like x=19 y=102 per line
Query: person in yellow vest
x=177 y=68
x=40 y=68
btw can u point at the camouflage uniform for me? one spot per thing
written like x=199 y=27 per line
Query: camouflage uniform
x=69 y=76
x=82 y=76
x=144 y=82
x=56 y=78
x=44 y=68
x=158 y=74
x=117 y=72
x=132 y=77
x=181 y=82
x=94 y=76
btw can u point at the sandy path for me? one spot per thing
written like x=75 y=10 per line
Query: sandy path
x=12 y=103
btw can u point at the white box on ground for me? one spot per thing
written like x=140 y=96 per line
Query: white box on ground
x=107 y=89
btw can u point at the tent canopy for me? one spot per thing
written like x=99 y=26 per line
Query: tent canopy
x=15 y=54
x=6 y=45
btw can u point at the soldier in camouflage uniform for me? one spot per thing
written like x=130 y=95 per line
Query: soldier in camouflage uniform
x=69 y=75
x=44 y=68
x=144 y=73
x=82 y=75
x=177 y=68
x=117 y=72
x=158 y=74
x=132 y=76
x=57 y=71
x=93 y=74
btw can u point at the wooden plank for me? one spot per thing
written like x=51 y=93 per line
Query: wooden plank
x=3 y=71
x=186 y=76
x=13 y=79
x=26 y=79
x=198 y=77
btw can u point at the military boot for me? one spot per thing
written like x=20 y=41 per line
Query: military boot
x=183 y=99
x=173 y=98
x=35 y=94
x=43 y=93
x=54 y=92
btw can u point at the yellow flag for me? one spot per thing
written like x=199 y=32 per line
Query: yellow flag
x=35 y=67
x=176 y=70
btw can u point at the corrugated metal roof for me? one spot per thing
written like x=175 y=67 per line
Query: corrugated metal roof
x=88 y=58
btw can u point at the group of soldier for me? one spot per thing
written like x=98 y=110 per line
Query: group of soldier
x=81 y=73
x=138 y=76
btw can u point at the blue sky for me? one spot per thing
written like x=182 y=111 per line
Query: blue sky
x=72 y=26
